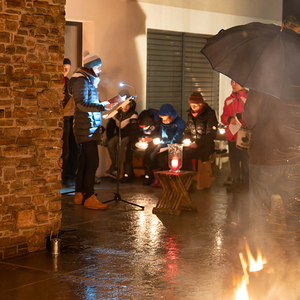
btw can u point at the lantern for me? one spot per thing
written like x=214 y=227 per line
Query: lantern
x=175 y=157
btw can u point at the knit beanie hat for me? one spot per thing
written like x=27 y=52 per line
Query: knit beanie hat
x=91 y=60
x=67 y=61
x=196 y=97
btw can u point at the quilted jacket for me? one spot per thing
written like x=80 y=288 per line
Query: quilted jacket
x=87 y=125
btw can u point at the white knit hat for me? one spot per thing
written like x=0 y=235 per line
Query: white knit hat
x=91 y=60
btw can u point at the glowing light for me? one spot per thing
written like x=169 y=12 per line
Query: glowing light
x=156 y=141
x=254 y=266
x=242 y=293
x=174 y=163
x=142 y=145
x=186 y=142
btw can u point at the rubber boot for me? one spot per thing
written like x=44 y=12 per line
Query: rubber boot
x=156 y=179
x=93 y=203
x=78 y=199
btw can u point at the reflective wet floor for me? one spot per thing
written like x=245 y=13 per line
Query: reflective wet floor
x=127 y=252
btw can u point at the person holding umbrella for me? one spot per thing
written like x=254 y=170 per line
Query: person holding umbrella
x=274 y=155
x=232 y=115
x=268 y=60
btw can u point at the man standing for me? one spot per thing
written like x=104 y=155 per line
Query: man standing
x=274 y=155
x=70 y=148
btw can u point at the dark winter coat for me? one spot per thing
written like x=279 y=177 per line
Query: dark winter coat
x=202 y=129
x=129 y=126
x=87 y=107
x=171 y=133
x=275 y=128
x=67 y=95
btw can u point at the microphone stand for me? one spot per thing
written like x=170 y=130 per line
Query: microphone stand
x=118 y=197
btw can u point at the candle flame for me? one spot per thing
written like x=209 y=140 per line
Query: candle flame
x=174 y=163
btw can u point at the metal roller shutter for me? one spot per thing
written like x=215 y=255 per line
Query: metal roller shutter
x=176 y=68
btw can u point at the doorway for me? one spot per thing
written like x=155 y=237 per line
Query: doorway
x=73 y=45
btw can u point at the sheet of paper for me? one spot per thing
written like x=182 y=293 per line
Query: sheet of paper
x=235 y=128
x=163 y=149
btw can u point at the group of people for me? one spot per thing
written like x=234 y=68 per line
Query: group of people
x=270 y=165
x=157 y=128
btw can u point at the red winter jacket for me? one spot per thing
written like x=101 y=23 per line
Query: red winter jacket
x=234 y=106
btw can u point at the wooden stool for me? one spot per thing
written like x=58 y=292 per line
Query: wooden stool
x=174 y=197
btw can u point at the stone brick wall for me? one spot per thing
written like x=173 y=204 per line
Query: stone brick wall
x=31 y=81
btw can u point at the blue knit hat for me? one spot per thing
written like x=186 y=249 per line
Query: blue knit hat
x=91 y=60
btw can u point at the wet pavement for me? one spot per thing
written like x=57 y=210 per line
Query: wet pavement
x=129 y=253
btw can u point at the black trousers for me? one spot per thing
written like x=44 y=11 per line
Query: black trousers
x=88 y=164
x=69 y=151
x=239 y=163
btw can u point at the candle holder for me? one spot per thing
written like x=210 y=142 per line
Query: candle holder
x=175 y=157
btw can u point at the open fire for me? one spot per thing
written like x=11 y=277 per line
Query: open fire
x=248 y=265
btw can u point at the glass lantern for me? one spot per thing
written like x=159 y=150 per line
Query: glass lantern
x=175 y=157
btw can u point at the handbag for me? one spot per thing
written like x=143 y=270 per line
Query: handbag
x=243 y=136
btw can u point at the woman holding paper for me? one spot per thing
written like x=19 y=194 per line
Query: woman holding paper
x=233 y=117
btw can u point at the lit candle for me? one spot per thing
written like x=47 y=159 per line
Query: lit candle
x=174 y=163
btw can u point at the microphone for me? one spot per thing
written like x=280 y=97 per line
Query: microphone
x=121 y=84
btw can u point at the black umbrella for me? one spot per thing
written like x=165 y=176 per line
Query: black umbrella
x=263 y=57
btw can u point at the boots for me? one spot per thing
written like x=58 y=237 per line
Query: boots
x=128 y=175
x=78 y=199
x=93 y=203
x=204 y=178
x=156 y=180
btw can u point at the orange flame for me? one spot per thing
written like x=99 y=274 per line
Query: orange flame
x=253 y=266
x=242 y=293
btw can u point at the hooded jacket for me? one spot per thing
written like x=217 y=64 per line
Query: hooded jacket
x=87 y=106
x=202 y=129
x=171 y=133
x=234 y=106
